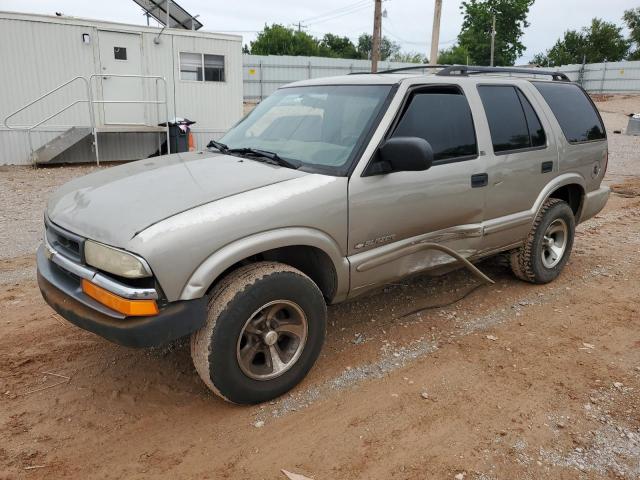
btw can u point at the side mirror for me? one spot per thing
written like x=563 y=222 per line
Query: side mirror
x=402 y=154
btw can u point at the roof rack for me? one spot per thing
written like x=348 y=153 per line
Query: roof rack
x=402 y=69
x=412 y=67
x=473 y=70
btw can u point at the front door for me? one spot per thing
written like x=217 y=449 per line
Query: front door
x=392 y=216
x=120 y=54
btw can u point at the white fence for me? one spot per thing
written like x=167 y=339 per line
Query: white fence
x=611 y=77
x=263 y=74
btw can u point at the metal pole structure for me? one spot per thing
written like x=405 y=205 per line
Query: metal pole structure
x=604 y=76
x=375 y=41
x=435 y=32
x=168 y=14
x=260 y=67
x=493 y=40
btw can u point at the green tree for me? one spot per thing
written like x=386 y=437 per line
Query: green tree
x=632 y=19
x=280 y=40
x=409 y=57
x=388 y=48
x=475 y=35
x=601 y=41
x=454 y=55
x=335 y=46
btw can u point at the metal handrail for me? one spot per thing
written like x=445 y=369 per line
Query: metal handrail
x=29 y=129
x=90 y=101
x=156 y=102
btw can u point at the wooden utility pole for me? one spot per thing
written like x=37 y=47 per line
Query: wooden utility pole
x=435 y=32
x=375 y=41
x=493 y=40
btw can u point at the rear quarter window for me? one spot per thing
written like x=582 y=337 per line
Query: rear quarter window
x=576 y=114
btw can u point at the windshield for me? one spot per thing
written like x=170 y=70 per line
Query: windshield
x=318 y=126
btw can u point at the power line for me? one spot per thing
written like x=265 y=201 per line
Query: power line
x=331 y=12
x=341 y=14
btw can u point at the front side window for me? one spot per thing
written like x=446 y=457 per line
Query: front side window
x=513 y=123
x=201 y=67
x=440 y=115
x=576 y=114
x=318 y=126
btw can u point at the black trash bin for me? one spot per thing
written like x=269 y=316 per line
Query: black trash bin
x=178 y=136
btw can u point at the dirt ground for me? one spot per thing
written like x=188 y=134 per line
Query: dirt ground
x=512 y=381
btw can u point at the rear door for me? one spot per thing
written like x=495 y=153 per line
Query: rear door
x=390 y=214
x=522 y=158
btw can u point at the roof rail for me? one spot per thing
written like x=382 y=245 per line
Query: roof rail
x=472 y=70
x=402 y=69
x=412 y=67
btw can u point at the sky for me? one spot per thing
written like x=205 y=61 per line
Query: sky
x=408 y=22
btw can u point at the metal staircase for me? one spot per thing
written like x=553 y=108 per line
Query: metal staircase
x=48 y=152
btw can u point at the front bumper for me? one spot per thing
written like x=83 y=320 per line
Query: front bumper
x=62 y=291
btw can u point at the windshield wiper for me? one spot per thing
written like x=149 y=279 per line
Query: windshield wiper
x=217 y=145
x=272 y=156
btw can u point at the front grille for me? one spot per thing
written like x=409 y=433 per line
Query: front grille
x=65 y=242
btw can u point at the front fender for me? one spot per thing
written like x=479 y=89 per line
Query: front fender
x=213 y=266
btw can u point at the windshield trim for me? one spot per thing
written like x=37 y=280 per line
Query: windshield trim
x=359 y=147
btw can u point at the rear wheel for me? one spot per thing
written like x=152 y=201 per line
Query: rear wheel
x=548 y=246
x=265 y=329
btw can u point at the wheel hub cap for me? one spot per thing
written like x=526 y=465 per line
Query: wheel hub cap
x=272 y=340
x=554 y=243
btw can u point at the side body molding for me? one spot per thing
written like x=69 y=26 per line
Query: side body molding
x=211 y=268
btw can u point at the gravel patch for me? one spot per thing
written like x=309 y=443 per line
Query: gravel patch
x=612 y=448
x=624 y=160
x=25 y=191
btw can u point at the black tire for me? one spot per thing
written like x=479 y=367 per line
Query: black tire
x=215 y=349
x=527 y=262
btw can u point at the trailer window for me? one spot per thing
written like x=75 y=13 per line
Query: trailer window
x=213 y=68
x=201 y=67
x=119 y=53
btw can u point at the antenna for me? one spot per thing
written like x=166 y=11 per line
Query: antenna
x=170 y=14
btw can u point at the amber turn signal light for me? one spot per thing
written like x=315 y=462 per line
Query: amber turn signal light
x=130 y=308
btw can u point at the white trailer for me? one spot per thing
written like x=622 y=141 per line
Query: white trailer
x=67 y=84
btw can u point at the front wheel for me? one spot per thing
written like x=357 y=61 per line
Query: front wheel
x=548 y=246
x=264 y=331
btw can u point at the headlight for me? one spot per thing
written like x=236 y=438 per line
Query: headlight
x=113 y=260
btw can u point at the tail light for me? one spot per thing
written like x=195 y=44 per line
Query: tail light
x=192 y=142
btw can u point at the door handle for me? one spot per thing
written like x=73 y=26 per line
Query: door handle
x=479 y=180
x=546 y=167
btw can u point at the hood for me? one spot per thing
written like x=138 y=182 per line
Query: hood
x=115 y=204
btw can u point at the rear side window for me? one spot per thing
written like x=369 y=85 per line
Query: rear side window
x=513 y=123
x=576 y=114
x=443 y=118
x=537 y=136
